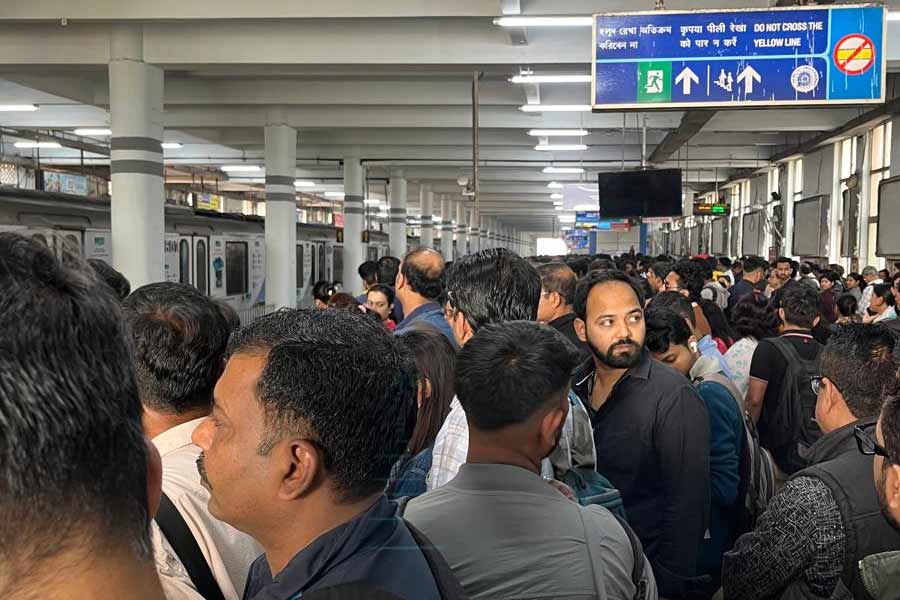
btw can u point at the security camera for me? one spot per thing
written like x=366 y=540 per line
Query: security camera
x=462 y=180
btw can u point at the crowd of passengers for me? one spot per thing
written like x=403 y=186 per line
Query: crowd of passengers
x=493 y=428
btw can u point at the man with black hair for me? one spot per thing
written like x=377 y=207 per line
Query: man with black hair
x=706 y=345
x=388 y=268
x=656 y=275
x=115 y=280
x=670 y=341
x=179 y=338
x=513 y=379
x=79 y=482
x=784 y=269
x=310 y=414
x=555 y=308
x=418 y=286
x=688 y=276
x=783 y=429
x=644 y=416
x=491 y=286
x=368 y=273
x=813 y=534
x=880 y=572
x=754 y=269
x=724 y=265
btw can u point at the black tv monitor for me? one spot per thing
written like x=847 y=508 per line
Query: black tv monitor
x=651 y=193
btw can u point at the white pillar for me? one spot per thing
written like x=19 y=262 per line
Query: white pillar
x=136 y=161
x=397 y=223
x=474 y=236
x=281 y=213
x=426 y=227
x=446 y=228
x=462 y=230
x=354 y=252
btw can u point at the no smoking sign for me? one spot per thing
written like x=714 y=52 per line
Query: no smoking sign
x=854 y=54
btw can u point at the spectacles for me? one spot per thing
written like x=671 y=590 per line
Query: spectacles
x=815 y=382
x=866 y=442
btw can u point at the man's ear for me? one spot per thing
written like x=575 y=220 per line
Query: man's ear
x=581 y=329
x=550 y=429
x=399 y=281
x=154 y=478
x=892 y=488
x=300 y=463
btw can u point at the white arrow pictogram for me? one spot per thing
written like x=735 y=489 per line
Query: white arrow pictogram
x=748 y=75
x=685 y=78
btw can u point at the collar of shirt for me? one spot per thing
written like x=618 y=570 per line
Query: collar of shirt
x=425 y=309
x=505 y=478
x=833 y=444
x=368 y=530
x=560 y=322
x=584 y=385
x=176 y=438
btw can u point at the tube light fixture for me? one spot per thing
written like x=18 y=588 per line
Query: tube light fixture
x=93 y=132
x=555 y=108
x=301 y=183
x=240 y=168
x=171 y=145
x=558 y=204
x=555 y=185
x=563 y=170
x=541 y=21
x=247 y=179
x=560 y=147
x=557 y=207
x=372 y=202
x=17 y=107
x=557 y=132
x=37 y=145
x=556 y=196
x=334 y=194
x=566 y=218
x=550 y=79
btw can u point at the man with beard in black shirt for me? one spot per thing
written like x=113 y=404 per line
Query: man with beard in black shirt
x=650 y=428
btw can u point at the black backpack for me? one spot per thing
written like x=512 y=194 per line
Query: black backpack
x=757 y=468
x=792 y=421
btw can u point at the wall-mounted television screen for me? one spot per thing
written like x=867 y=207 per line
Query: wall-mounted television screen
x=650 y=193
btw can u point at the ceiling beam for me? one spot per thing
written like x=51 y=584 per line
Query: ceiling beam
x=691 y=124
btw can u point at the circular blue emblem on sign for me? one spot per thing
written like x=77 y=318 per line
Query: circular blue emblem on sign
x=804 y=79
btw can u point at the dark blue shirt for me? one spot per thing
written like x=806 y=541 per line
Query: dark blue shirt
x=430 y=313
x=375 y=548
x=408 y=477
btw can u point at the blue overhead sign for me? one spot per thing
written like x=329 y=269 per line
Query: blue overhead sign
x=791 y=56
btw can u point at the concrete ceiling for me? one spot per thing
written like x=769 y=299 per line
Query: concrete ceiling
x=389 y=81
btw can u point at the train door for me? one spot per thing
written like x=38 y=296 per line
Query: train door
x=185 y=262
x=200 y=263
x=313 y=265
x=323 y=271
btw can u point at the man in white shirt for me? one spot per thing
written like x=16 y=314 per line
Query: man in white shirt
x=870 y=276
x=490 y=286
x=180 y=338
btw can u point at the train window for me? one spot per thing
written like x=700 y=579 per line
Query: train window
x=338 y=254
x=201 y=267
x=236 y=268
x=300 y=272
x=184 y=261
x=322 y=261
x=312 y=263
x=372 y=252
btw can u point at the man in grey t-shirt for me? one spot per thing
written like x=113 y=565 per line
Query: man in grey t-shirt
x=504 y=531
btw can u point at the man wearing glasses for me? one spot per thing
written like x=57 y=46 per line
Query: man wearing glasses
x=826 y=519
x=881 y=572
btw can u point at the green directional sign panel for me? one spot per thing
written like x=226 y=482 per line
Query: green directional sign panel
x=654 y=81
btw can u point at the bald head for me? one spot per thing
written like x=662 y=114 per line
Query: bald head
x=423 y=271
x=558 y=277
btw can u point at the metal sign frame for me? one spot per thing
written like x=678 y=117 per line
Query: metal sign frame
x=651 y=106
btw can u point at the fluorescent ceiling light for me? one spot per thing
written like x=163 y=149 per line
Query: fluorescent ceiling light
x=557 y=132
x=550 y=79
x=566 y=218
x=372 y=202
x=556 y=196
x=247 y=179
x=301 y=183
x=563 y=170
x=560 y=147
x=37 y=145
x=240 y=168
x=544 y=21
x=893 y=16
x=171 y=145
x=17 y=107
x=98 y=132
x=557 y=204
x=334 y=194
x=554 y=185
x=578 y=207
x=555 y=108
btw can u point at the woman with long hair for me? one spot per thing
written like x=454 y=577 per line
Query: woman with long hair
x=752 y=319
x=435 y=360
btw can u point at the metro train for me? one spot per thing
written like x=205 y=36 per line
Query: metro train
x=221 y=254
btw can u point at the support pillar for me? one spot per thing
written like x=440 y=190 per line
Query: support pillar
x=462 y=230
x=426 y=227
x=446 y=229
x=474 y=236
x=136 y=161
x=354 y=251
x=397 y=224
x=281 y=213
